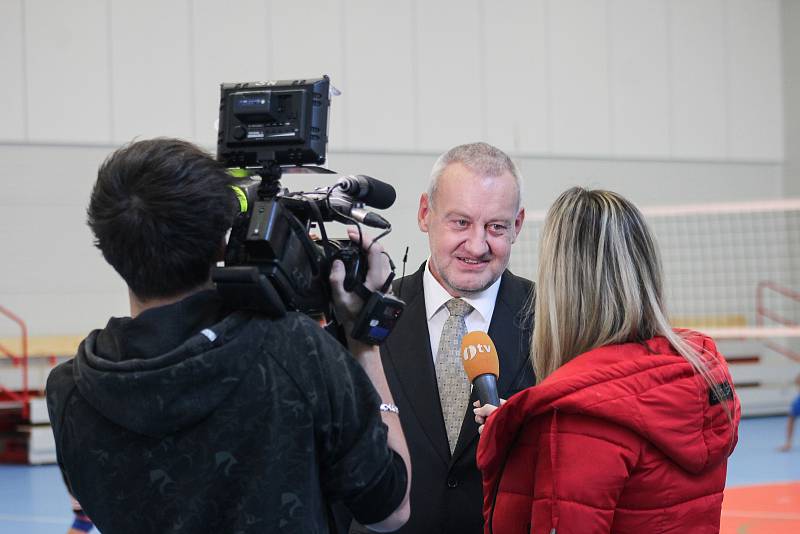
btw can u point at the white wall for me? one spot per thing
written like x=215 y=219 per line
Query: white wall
x=665 y=101
x=790 y=26
x=686 y=79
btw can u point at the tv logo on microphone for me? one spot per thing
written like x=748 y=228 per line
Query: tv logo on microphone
x=471 y=351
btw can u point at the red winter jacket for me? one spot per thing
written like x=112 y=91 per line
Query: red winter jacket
x=624 y=439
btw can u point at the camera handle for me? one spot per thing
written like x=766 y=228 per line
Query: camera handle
x=378 y=316
x=270 y=173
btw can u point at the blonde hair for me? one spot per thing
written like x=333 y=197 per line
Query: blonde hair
x=599 y=283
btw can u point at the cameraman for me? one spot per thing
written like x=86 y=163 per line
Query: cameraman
x=187 y=417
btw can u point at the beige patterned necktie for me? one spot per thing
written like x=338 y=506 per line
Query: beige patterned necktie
x=450 y=375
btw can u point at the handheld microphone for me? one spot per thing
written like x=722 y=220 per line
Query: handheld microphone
x=479 y=357
x=370 y=191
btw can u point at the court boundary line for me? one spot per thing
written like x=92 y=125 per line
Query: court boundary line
x=761 y=515
x=762 y=484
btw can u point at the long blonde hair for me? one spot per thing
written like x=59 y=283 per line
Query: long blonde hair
x=599 y=283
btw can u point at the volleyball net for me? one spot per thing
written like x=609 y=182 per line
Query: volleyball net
x=732 y=271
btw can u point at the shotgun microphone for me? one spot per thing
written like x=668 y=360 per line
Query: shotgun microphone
x=368 y=190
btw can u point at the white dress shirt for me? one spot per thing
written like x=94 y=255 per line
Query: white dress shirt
x=435 y=298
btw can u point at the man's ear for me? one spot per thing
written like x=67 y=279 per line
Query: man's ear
x=424 y=212
x=518 y=222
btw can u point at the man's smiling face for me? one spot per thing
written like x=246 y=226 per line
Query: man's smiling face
x=471 y=223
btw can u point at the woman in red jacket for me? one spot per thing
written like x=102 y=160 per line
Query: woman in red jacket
x=631 y=423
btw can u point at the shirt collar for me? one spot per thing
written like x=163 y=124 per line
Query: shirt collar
x=436 y=296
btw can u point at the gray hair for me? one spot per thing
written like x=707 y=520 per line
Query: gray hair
x=481 y=158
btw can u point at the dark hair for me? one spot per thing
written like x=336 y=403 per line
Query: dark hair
x=159 y=212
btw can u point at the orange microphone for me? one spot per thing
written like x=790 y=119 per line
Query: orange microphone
x=479 y=357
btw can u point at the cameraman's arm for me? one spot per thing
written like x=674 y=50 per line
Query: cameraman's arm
x=368 y=356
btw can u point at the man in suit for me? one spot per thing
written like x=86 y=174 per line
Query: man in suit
x=472 y=215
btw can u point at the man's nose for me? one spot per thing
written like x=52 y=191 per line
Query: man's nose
x=476 y=244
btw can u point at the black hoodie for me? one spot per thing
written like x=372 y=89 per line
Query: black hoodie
x=185 y=419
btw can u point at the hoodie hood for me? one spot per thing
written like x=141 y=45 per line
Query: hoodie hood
x=167 y=368
x=647 y=388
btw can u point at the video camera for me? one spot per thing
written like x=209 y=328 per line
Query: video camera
x=272 y=264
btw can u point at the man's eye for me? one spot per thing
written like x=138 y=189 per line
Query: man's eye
x=461 y=222
x=498 y=228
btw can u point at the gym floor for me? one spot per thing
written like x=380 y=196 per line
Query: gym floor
x=762 y=496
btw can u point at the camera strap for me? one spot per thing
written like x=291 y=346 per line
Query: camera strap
x=362 y=291
x=388 y=283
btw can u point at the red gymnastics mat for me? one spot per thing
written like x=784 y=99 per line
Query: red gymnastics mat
x=762 y=509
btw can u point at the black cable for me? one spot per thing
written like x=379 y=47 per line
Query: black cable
x=347 y=217
x=391 y=263
x=382 y=234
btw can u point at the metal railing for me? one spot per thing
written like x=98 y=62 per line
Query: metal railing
x=21 y=360
x=762 y=313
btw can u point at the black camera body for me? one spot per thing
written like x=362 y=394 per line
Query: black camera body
x=271 y=263
x=273 y=237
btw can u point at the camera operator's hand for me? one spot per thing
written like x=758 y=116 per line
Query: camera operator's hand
x=349 y=304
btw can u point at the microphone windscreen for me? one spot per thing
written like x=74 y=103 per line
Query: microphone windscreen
x=479 y=355
x=380 y=194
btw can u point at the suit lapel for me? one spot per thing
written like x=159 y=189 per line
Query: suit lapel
x=504 y=330
x=409 y=353
x=511 y=333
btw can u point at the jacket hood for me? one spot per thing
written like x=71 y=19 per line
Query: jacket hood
x=165 y=369
x=647 y=388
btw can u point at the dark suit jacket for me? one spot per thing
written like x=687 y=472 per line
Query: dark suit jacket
x=446 y=494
